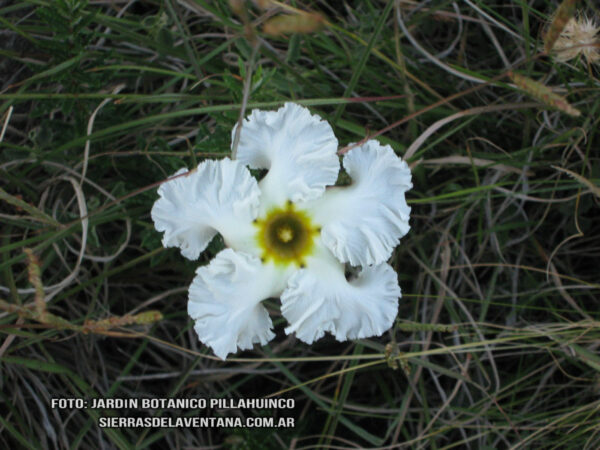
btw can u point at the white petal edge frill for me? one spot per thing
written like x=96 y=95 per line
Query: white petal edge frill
x=224 y=301
x=319 y=299
x=362 y=223
x=298 y=148
x=219 y=196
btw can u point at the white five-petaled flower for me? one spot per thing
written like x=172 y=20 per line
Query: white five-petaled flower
x=289 y=236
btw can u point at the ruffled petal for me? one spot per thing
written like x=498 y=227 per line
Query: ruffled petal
x=219 y=196
x=298 y=148
x=319 y=299
x=224 y=301
x=362 y=223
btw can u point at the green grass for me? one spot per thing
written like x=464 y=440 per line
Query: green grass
x=496 y=341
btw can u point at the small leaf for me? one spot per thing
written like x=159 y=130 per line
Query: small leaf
x=164 y=40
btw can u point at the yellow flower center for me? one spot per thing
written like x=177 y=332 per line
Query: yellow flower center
x=286 y=235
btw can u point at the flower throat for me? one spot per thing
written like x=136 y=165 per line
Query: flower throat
x=285 y=235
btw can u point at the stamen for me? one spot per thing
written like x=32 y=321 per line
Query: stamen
x=285 y=234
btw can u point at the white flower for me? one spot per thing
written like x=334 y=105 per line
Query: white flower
x=289 y=236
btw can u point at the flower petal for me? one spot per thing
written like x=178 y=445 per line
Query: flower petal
x=298 y=148
x=320 y=299
x=362 y=223
x=219 y=196
x=224 y=301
